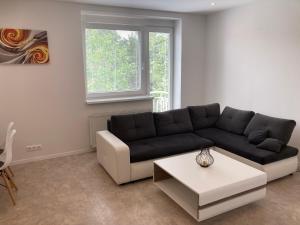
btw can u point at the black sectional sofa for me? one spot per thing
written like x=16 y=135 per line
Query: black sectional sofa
x=258 y=140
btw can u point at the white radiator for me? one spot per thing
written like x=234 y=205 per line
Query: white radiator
x=98 y=122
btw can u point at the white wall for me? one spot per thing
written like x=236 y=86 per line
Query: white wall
x=193 y=55
x=253 y=59
x=47 y=102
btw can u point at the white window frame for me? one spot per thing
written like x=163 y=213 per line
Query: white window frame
x=144 y=26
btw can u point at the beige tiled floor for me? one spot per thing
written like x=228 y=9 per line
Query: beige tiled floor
x=76 y=190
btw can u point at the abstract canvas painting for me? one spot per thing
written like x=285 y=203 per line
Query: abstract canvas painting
x=20 y=46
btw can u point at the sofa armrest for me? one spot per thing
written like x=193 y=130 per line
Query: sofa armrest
x=113 y=155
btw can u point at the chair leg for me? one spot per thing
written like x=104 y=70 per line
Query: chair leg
x=10 y=192
x=10 y=171
x=12 y=183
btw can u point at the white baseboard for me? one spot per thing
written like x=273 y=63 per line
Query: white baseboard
x=52 y=156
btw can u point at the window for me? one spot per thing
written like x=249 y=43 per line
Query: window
x=123 y=61
x=159 y=68
x=113 y=61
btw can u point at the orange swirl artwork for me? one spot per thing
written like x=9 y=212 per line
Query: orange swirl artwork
x=19 y=46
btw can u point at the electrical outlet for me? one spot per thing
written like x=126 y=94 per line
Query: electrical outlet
x=32 y=148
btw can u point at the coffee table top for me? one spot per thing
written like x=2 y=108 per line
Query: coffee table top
x=226 y=177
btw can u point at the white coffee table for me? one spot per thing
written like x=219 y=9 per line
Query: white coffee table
x=207 y=192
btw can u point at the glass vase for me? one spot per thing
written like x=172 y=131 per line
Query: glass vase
x=204 y=158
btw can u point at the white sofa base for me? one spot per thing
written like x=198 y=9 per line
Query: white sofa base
x=274 y=170
x=113 y=155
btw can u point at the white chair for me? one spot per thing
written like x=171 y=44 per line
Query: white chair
x=8 y=132
x=5 y=160
x=9 y=129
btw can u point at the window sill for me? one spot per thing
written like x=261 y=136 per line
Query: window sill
x=112 y=100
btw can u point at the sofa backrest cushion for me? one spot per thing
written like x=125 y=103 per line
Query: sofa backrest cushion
x=278 y=128
x=173 y=122
x=204 y=116
x=133 y=127
x=234 y=120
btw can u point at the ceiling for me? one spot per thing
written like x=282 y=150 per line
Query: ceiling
x=196 y=6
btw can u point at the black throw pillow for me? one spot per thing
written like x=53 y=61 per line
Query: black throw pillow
x=271 y=144
x=258 y=136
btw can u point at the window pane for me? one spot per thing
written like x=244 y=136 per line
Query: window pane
x=112 y=60
x=159 y=57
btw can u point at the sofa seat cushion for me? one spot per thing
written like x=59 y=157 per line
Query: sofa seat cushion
x=239 y=145
x=153 y=148
x=133 y=126
x=173 y=122
x=278 y=128
x=234 y=120
x=204 y=116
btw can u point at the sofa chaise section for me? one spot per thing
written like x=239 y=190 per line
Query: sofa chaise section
x=231 y=136
x=239 y=145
